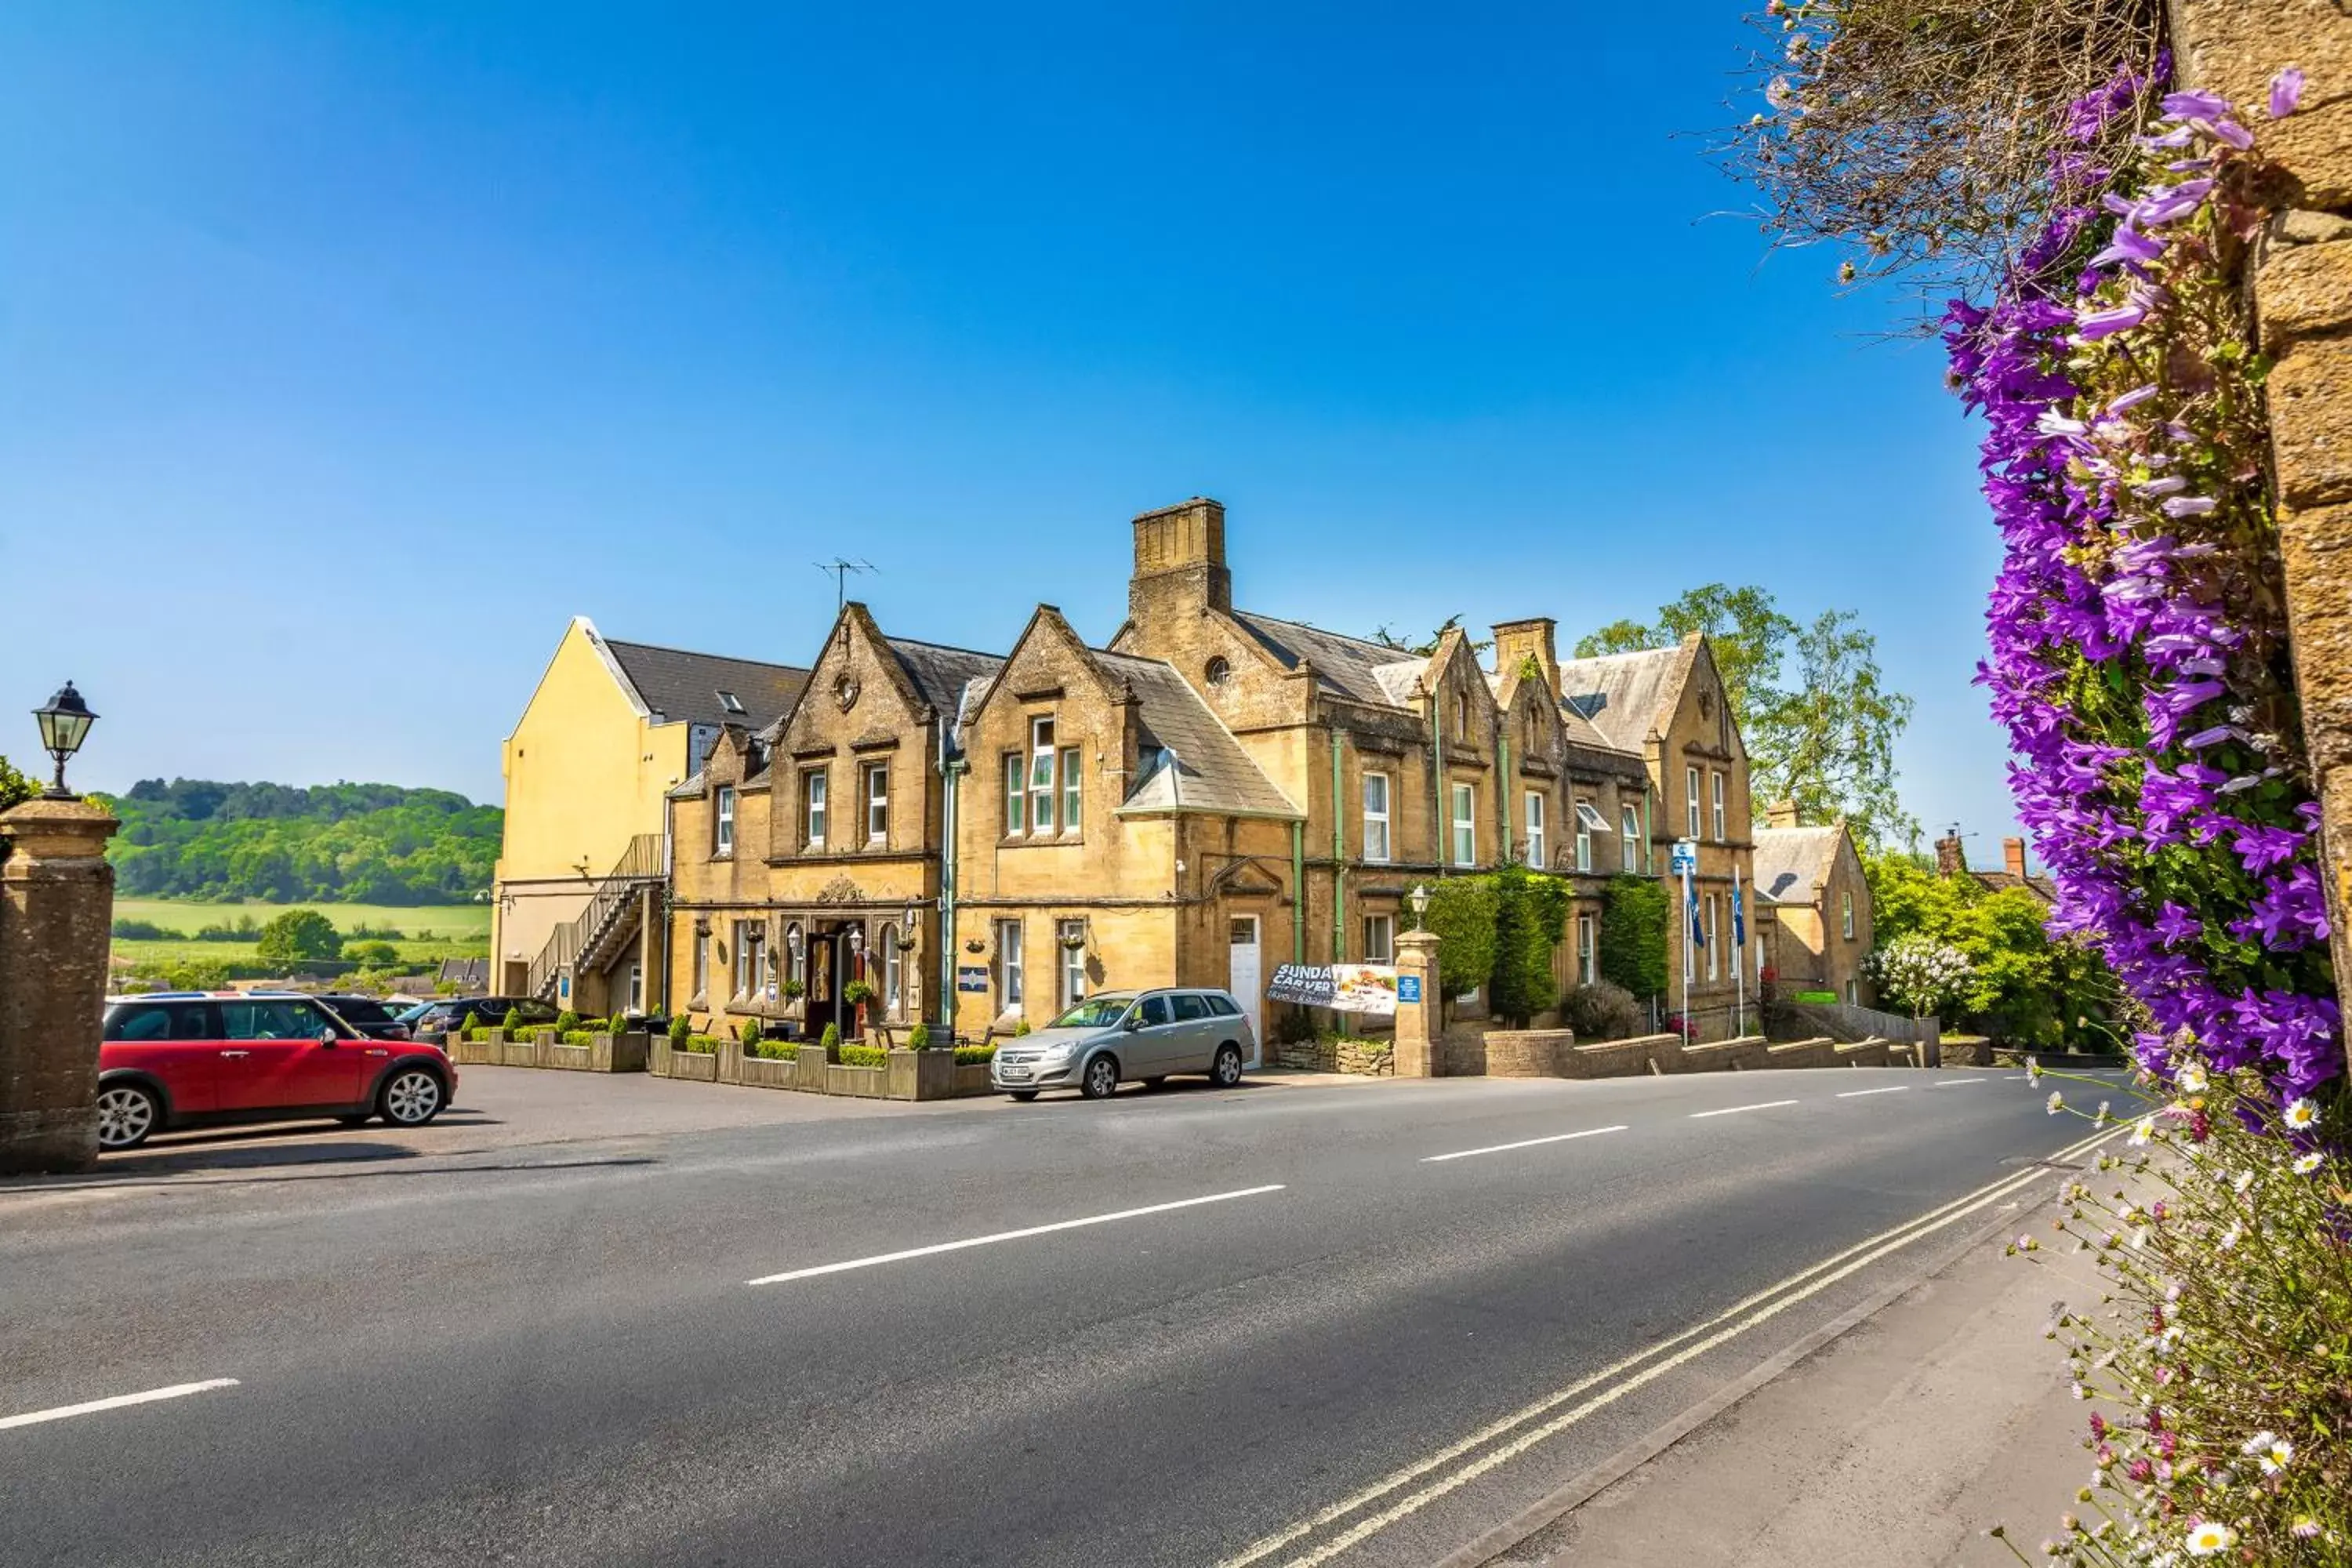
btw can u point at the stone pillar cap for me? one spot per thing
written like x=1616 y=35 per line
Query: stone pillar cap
x=43 y=823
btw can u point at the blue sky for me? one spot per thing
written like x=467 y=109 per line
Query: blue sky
x=347 y=350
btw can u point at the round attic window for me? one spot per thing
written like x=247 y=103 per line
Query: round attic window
x=1218 y=671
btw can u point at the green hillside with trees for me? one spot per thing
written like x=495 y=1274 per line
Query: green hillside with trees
x=342 y=843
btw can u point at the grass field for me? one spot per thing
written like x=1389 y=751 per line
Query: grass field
x=446 y=925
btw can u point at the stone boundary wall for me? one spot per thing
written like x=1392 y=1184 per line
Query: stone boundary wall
x=905 y=1075
x=544 y=1048
x=1364 y=1059
x=1554 y=1053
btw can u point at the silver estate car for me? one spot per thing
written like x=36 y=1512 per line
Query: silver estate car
x=1120 y=1036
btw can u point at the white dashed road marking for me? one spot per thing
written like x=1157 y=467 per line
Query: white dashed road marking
x=1522 y=1143
x=1736 y=1110
x=91 y=1407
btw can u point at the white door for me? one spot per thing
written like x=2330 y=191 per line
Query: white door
x=1242 y=972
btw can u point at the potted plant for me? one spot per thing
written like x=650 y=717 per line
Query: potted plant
x=856 y=995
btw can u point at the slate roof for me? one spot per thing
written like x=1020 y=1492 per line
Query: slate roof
x=1790 y=862
x=2041 y=888
x=1352 y=668
x=1622 y=694
x=683 y=688
x=1210 y=772
x=943 y=674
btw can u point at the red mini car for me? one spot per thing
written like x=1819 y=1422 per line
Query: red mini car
x=189 y=1059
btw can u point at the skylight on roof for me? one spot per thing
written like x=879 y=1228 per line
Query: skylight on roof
x=732 y=703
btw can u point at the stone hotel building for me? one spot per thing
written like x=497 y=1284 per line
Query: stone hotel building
x=981 y=838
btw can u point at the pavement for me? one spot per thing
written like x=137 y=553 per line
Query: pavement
x=626 y=1321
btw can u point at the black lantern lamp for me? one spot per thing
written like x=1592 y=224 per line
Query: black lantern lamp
x=64 y=723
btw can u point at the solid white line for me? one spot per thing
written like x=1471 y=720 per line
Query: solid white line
x=1008 y=1236
x=1942 y=1081
x=1267 y=1545
x=1522 y=1143
x=1736 y=1110
x=1858 y=1093
x=177 y=1391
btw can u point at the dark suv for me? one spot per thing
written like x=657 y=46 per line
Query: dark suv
x=368 y=1016
x=463 y=1012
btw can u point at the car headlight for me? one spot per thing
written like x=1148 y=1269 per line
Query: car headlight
x=1060 y=1053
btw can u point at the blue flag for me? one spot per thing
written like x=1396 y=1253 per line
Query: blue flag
x=1698 y=932
x=1738 y=919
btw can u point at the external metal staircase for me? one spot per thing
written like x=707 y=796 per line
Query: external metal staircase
x=587 y=942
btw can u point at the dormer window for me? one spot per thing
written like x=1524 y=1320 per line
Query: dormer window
x=731 y=704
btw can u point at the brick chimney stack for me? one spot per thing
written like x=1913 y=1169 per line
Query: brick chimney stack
x=2012 y=857
x=1179 y=560
x=1950 y=859
x=1518 y=641
x=1781 y=814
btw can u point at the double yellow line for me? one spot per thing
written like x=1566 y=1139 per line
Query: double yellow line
x=1502 y=1441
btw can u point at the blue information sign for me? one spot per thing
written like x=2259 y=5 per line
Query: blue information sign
x=1408 y=987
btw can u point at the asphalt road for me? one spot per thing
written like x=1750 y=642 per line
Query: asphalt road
x=1321 y=1340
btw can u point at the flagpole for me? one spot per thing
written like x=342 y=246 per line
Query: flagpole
x=1739 y=942
x=1690 y=931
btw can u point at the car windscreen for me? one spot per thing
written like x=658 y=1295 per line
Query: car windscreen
x=1093 y=1013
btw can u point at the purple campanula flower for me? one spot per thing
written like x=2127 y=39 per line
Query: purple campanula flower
x=2286 y=91
x=2177 y=924
x=2194 y=105
x=2260 y=848
x=2189 y=506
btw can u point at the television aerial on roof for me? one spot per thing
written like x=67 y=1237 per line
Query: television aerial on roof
x=838 y=569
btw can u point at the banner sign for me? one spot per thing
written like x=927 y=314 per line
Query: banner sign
x=1368 y=988
x=972 y=977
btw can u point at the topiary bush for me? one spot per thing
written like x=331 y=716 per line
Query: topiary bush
x=1632 y=935
x=1601 y=1011
x=1530 y=915
x=1462 y=914
x=512 y=1022
x=680 y=1027
x=566 y=1021
x=700 y=1045
x=578 y=1036
x=830 y=1038
x=750 y=1032
x=1021 y=1029
x=919 y=1038
x=966 y=1055
x=863 y=1056
x=774 y=1050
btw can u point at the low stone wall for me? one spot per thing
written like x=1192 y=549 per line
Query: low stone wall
x=904 y=1075
x=1622 y=1059
x=1744 y=1054
x=1818 y=1052
x=1863 y=1053
x=1367 y=1059
x=545 y=1048
x=1530 y=1053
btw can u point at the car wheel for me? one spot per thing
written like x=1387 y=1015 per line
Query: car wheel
x=1024 y=1095
x=126 y=1115
x=410 y=1098
x=1226 y=1070
x=1101 y=1080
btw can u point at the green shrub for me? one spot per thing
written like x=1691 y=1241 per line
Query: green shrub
x=750 y=1032
x=1462 y=914
x=1294 y=1026
x=1021 y=1028
x=578 y=1036
x=794 y=990
x=830 y=1038
x=370 y=954
x=297 y=934
x=680 y=1027
x=857 y=993
x=512 y=1022
x=919 y=1038
x=774 y=1050
x=1632 y=936
x=1601 y=1011
x=701 y=1045
x=969 y=1054
x=1530 y=917
x=863 y=1056
x=144 y=931
x=567 y=1021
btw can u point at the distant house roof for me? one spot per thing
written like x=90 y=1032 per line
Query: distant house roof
x=1621 y=694
x=2041 y=886
x=682 y=688
x=1792 y=862
x=1203 y=768
x=1352 y=668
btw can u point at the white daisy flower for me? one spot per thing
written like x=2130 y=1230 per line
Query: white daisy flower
x=2192 y=1079
x=2301 y=1114
x=2231 y=1238
x=2210 y=1538
x=2258 y=1442
x=2143 y=1131
x=2055 y=1103
x=2245 y=1179
x=2309 y=1163
x=2033 y=1070
x=2276 y=1457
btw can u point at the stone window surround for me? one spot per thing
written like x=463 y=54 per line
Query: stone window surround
x=722 y=822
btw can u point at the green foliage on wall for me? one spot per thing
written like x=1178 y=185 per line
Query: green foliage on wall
x=1633 y=937
x=1530 y=917
x=1462 y=914
x=345 y=843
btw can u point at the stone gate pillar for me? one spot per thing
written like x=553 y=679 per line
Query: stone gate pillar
x=57 y=909
x=1419 y=1015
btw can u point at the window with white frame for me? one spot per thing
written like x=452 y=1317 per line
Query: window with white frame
x=1714 y=944
x=878 y=803
x=1016 y=794
x=1845 y=914
x=1629 y=821
x=1584 y=950
x=1070 y=939
x=1041 y=776
x=1536 y=828
x=742 y=938
x=1589 y=821
x=1008 y=966
x=1721 y=837
x=1466 y=824
x=1380 y=938
x=722 y=829
x=813 y=807
x=1691 y=820
x=893 y=972
x=1376 y=817
x=1071 y=789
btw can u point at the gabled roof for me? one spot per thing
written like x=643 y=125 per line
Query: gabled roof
x=942 y=673
x=1352 y=668
x=1622 y=695
x=1792 y=862
x=681 y=687
x=2041 y=886
x=1206 y=770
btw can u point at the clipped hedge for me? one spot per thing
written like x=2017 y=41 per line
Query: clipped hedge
x=968 y=1055
x=863 y=1056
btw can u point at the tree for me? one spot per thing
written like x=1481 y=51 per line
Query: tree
x=1928 y=977
x=15 y=787
x=1462 y=915
x=299 y=934
x=1827 y=741
x=1530 y=916
x=1388 y=638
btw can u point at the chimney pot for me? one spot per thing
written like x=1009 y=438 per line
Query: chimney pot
x=1949 y=860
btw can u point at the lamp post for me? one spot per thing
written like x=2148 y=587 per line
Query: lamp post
x=64 y=722
x=1419 y=899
